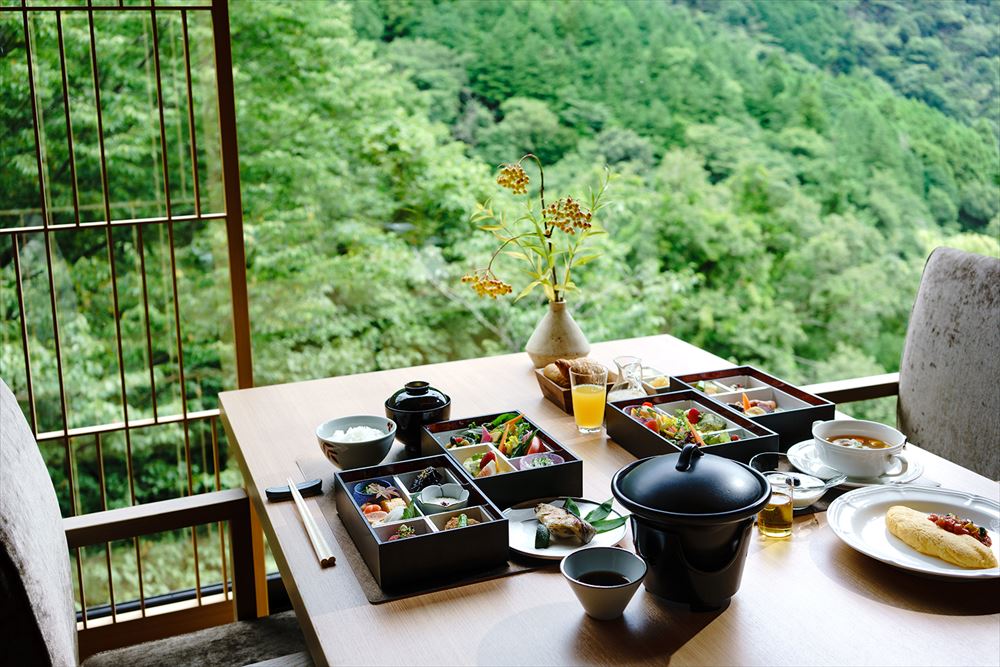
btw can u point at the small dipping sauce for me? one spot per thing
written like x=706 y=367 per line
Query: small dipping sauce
x=603 y=578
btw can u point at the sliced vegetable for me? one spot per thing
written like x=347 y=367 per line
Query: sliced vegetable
x=536 y=446
x=505 y=417
x=463 y=521
x=600 y=512
x=486 y=437
x=542 y=537
x=485 y=461
x=488 y=470
x=746 y=402
x=604 y=525
x=571 y=507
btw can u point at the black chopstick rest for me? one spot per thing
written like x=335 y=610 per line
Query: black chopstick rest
x=313 y=487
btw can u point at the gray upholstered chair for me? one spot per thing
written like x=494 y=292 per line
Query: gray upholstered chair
x=949 y=399
x=36 y=595
x=949 y=377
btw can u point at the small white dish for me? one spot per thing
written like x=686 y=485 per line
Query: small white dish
x=521 y=525
x=430 y=499
x=859 y=462
x=901 y=470
x=858 y=518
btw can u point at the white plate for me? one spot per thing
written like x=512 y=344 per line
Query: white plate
x=521 y=523
x=858 y=518
x=805 y=457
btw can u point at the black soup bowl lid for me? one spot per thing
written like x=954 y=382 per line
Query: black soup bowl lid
x=691 y=487
x=417 y=396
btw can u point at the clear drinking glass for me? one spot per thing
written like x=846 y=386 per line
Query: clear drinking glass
x=629 y=383
x=589 y=389
x=775 y=520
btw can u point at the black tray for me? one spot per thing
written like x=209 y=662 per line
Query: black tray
x=509 y=489
x=643 y=442
x=436 y=555
x=793 y=423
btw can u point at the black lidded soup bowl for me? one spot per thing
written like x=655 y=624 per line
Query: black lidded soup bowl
x=692 y=517
x=413 y=406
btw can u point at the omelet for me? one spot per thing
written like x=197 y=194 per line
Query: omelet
x=914 y=528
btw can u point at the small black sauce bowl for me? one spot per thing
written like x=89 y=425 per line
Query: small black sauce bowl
x=413 y=406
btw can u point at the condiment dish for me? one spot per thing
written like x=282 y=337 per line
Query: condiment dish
x=604 y=579
x=441 y=498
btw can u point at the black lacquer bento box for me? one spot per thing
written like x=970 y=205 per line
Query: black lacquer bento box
x=422 y=548
x=516 y=481
x=796 y=409
x=738 y=437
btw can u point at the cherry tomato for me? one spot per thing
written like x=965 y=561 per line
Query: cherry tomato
x=693 y=415
x=652 y=425
x=490 y=456
x=536 y=446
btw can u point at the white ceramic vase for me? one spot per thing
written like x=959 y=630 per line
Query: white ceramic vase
x=557 y=336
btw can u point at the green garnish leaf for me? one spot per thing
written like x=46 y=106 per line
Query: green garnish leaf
x=571 y=507
x=600 y=512
x=410 y=512
x=604 y=525
x=503 y=419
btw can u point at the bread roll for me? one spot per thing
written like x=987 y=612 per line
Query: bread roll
x=917 y=531
x=578 y=365
x=554 y=373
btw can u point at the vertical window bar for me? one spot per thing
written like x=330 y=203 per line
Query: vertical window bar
x=138 y=568
x=104 y=506
x=69 y=122
x=79 y=581
x=48 y=253
x=111 y=248
x=190 y=106
x=165 y=164
x=140 y=246
x=218 y=487
x=24 y=334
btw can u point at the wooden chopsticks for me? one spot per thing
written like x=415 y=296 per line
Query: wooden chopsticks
x=322 y=549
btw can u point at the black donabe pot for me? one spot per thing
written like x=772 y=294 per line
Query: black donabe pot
x=692 y=514
x=416 y=404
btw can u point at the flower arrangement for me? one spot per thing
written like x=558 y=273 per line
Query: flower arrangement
x=550 y=241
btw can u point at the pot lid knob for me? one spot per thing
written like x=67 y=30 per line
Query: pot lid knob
x=691 y=452
x=417 y=387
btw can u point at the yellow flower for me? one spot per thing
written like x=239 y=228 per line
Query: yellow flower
x=567 y=215
x=514 y=178
x=486 y=284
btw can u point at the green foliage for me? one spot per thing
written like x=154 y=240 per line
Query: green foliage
x=784 y=169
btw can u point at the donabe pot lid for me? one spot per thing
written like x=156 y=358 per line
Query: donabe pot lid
x=691 y=486
x=417 y=396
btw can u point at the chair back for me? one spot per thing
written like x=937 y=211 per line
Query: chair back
x=37 y=612
x=949 y=399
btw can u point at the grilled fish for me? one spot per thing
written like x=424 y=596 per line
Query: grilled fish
x=564 y=525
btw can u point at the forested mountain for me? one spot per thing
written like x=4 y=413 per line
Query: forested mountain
x=782 y=170
x=941 y=52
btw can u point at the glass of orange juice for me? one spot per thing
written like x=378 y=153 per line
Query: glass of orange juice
x=589 y=389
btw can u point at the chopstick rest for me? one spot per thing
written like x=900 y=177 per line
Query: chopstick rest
x=313 y=487
x=322 y=549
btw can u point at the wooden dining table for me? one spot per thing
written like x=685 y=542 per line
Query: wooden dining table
x=806 y=600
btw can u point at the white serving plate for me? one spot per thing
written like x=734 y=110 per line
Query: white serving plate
x=521 y=524
x=858 y=518
x=902 y=469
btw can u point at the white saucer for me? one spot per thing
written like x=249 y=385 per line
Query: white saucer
x=901 y=470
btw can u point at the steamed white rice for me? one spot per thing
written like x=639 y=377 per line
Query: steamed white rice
x=357 y=434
